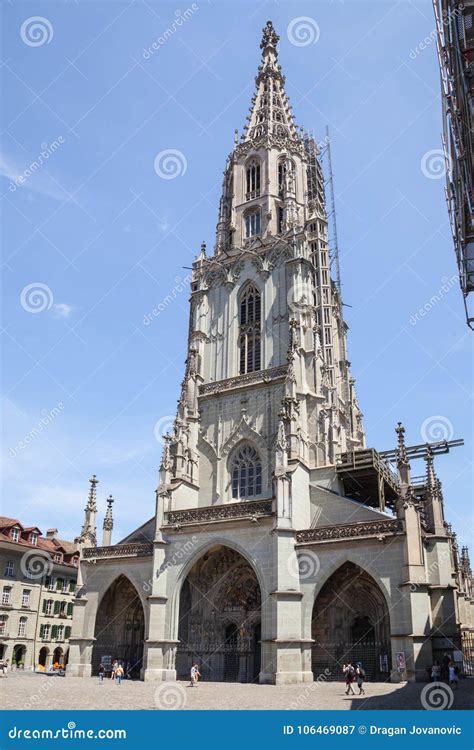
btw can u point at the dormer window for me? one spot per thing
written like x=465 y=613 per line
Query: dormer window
x=34 y=538
x=253 y=224
x=15 y=534
x=252 y=182
x=57 y=557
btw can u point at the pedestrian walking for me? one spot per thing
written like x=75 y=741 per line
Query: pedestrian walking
x=435 y=671
x=445 y=667
x=119 y=674
x=114 y=670
x=101 y=673
x=360 y=675
x=453 y=675
x=349 y=672
x=195 y=675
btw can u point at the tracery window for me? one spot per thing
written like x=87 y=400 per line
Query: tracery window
x=252 y=180
x=249 y=330
x=246 y=474
x=253 y=223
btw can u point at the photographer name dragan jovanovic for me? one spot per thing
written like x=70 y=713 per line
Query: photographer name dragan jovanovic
x=392 y=731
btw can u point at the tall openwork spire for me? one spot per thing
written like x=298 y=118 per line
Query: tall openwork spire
x=270 y=113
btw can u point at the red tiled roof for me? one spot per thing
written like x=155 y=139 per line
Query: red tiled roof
x=6 y=522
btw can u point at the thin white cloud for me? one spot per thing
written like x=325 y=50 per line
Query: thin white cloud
x=62 y=310
x=38 y=182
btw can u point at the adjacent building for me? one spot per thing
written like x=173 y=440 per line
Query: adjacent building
x=38 y=582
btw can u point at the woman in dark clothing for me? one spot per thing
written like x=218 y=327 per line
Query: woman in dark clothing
x=349 y=672
x=360 y=674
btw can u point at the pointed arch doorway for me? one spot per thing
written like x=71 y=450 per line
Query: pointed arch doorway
x=120 y=629
x=350 y=622
x=219 y=619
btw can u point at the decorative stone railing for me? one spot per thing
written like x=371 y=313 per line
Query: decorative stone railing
x=350 y=531
x=139 y=549
x=240 y=381
x=250 y=510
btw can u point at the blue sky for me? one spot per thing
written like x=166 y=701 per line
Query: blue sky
x=108 y=238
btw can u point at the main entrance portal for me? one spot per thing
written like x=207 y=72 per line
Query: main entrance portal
x=119 y=629
x=219 y=619
x=350 y=623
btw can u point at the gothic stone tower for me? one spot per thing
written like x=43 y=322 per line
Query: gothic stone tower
x=268 y=501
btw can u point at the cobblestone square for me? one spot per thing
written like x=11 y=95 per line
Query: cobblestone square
x=29 y=691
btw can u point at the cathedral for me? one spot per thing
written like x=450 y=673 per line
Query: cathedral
x=281 y=546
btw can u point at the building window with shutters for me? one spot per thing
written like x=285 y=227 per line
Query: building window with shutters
x=3 y=624
x=246 y=471
x=9 y=569
x=60 y=633
x=249 y=330
x=50 y=584
x=22 y=627
x=48 y=607
x=45 y=632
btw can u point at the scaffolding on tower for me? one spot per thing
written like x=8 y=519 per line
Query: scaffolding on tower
x=455 y=44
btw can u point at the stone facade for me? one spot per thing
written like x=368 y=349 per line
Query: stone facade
x=280 y=545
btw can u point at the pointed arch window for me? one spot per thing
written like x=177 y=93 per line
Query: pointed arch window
x=246 y=474
x=252 y=180
x=253 y=223
x=249 y=330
